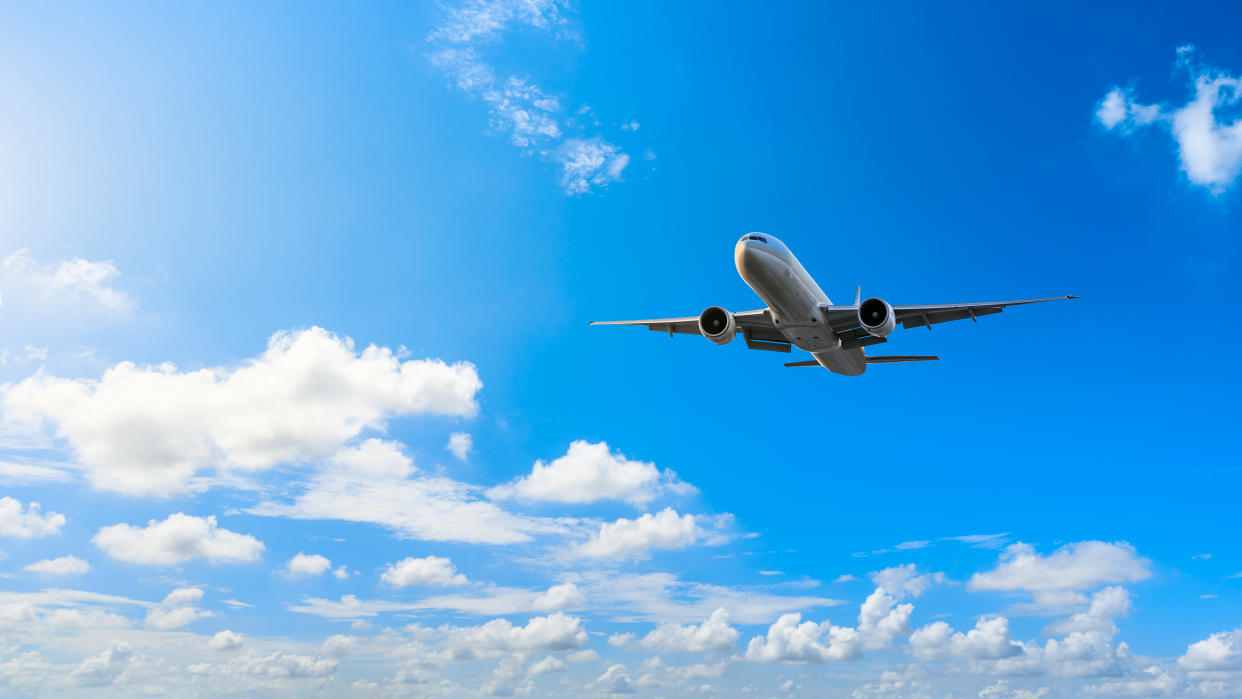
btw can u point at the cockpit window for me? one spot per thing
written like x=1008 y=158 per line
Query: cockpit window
x=757 y=237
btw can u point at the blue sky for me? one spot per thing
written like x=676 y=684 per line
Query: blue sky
x=261 y=264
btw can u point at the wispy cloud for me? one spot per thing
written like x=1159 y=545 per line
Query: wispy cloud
x=518 y=108
x=1210 y=146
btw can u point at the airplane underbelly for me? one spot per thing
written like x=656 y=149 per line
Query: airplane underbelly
x=849 y=362
x=795 y=309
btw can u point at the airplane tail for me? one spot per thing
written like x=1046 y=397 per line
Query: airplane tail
x=892 y=359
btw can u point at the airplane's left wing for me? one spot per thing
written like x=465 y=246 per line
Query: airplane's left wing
x=844 y=319
x=756 y=328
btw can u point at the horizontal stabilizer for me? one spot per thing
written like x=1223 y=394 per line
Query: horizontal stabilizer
x=899 y=358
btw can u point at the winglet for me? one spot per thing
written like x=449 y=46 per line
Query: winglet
x=858 y=294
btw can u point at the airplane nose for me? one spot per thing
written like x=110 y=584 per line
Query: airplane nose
x=749 y=256
x=741 y=255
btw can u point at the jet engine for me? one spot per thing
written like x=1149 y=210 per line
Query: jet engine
x=717 y=325
x=876 y=316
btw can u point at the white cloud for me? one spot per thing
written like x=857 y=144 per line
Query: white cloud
x=1220 y=651
x=636 y=538
x=28 y=474
x=714 y=634
x=1086 y=649
x=460 y=445
x=65 y=565
x=589 y=473
x=178 y=609
x=1210 y=149
x=621 y=640
x=78 y=619
x=497 y=637
x=27 y=523
x=518 y=107
x=226 y=640
x=149 y=429
x=104 y=669
x=341 y=573
x=77 y=283
x=1075 y=566
x=791 y=639
x=371 y=483
x=904 y=580
x=177 y=539
x=165 y=618
x=432 y=570
x=548 y=664
x=1106 y=605
x=587 y=163
x=338 y=645
x=664 y=597
x=307 y=564
x=563 y=596
x=880 y=621
x=492 y=601
x=990 y=639
x=615 y=680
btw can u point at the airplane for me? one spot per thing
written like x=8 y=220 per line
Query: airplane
x=800 y=314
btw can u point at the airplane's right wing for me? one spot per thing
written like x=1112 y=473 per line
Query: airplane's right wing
x=756 y=327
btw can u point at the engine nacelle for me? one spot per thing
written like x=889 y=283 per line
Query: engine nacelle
x=877 y=317
x=717 y=325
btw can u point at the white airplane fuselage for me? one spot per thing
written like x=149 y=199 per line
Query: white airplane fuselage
x=794 y=301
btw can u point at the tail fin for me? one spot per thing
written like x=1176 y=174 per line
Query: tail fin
x=899 y=358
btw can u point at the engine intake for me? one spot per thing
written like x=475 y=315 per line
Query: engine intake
x=717 y=325
x=877 y=317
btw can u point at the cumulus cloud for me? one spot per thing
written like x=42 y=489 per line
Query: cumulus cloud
x=1085 y=649
x=375 y=483
x=177 y=539
x=148 y=430
x=905 y=580
x=1209 y=144
x=27 y=522
x=637 y=538
x=226 y=640
x=1075 y=566
x=304 y=564
x=590 y=473
x=563 y=596
x=79 y=284
x=104 y=669
x=548 y=664
x=615 y=680
x=1220 y=651
x=518 y=108
x=714 y=634
x=554 y=632
x=990 y=639
x=460 y=444
x=432 y=570
x=179 y=608
x=880 y=621
x=65 y=565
